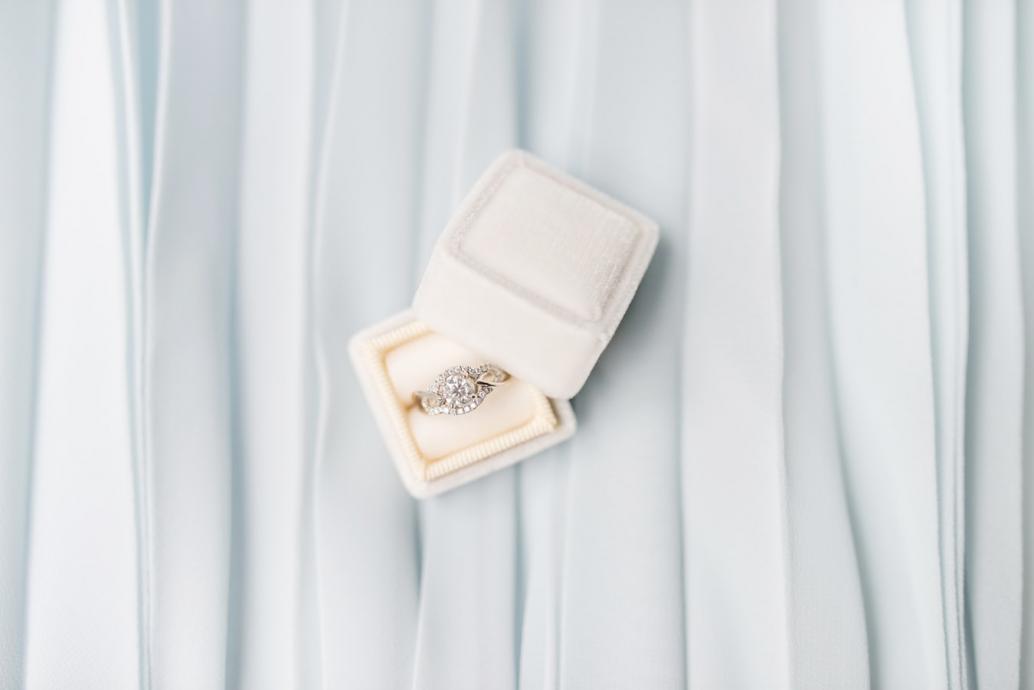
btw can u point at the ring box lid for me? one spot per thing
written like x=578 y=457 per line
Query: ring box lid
x=535 y=271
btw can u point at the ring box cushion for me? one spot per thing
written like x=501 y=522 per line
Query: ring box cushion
x=536 y=270
x=533 y=274
x=398 y=356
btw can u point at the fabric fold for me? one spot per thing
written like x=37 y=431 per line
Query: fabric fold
x=190 y=344
x=935 y=42
x=83 y=629
x=994 y=405
x=128 y=41
x=734 y=474
x=880 y=336
x=26 y=37
x=825 y=610
x=1025 y=197
x=271 y=296
x=367 y=129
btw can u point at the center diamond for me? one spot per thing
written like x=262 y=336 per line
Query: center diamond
x=458 y=390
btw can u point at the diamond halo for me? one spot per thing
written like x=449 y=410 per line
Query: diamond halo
x=460 y=389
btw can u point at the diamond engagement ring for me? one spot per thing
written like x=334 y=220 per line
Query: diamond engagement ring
x=459 y=390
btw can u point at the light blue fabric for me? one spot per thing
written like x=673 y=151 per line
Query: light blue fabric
x=804 y=462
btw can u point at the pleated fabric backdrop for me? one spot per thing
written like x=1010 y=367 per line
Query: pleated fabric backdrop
x=806 y=460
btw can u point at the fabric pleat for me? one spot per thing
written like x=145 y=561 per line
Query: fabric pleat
x=271 y=300
x=880 y=333
x=26 y=31
x=935 y=42
x=1025 y=219
x=83 y=484
x=803 y=462
x=994 y=413
x=736 y=577
x=192 y=417
x=826 y=612
x=367 y=180
x=131 y=35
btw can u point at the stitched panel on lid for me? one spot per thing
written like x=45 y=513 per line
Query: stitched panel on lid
x=542 y=238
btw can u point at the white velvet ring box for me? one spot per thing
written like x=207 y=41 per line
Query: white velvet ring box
x=533 y=274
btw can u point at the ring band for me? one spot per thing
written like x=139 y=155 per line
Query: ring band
x=460 y=389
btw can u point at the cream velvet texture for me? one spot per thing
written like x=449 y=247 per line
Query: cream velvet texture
x=805 y=460
x=536 y=269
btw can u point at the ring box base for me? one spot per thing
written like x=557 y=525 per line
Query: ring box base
x=434 y=454
x=533 y=274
